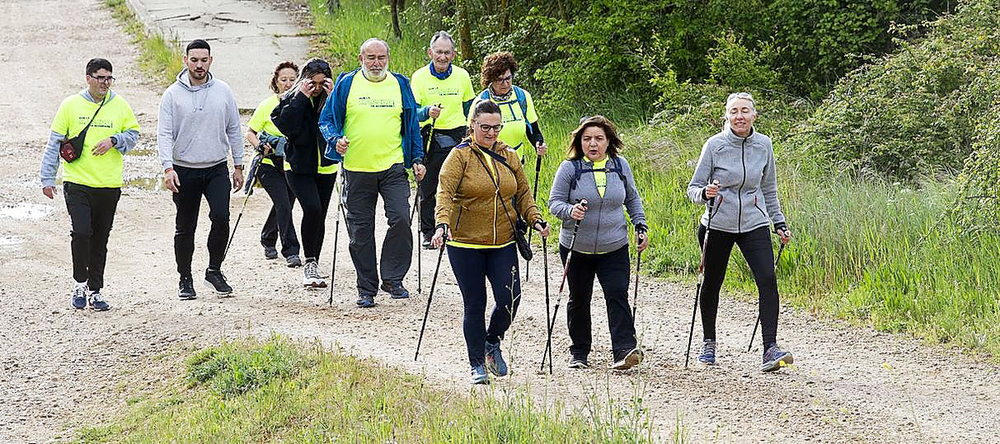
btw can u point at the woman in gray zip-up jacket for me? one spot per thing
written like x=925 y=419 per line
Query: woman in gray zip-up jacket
x=735 y=176
x=596 y=171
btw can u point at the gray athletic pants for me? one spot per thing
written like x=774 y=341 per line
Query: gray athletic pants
x=361 y=192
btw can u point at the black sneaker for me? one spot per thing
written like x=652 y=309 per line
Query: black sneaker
x=577 y=362
x=217 y=281
x=293 y=261
x=270 y=252
x=366 y=300
x=97 y=301
x=426 y=244
x=186 y=291
x=396 y=291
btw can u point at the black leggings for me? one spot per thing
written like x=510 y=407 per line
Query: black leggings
x=756 y=248
x=612 y=270
x=313 y=192
x=279 y=220
x=472 y=268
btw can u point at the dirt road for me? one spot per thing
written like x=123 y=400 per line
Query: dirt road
x=63 y=368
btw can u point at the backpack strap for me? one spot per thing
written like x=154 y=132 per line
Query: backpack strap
x=579 y=170
x=522 y=101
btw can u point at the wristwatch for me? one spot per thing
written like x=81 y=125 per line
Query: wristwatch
x=114 y=141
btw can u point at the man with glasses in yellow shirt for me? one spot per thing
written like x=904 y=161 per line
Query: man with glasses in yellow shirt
x=91 y=182
x=444 y=93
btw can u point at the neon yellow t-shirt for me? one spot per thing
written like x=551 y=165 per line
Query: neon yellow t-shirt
x=515 y=126
x=116 y=117
x=373 y=123
x=451 y=93
x=261 y=120
x=601 y=177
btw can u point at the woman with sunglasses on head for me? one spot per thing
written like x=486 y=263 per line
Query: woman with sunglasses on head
x=520 y=131
x=481 y=191
x=262 y=133
x=310 y=175
x=735 y=176
x=596 y=172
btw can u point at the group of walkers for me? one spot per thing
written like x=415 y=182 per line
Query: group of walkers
x=359 y=133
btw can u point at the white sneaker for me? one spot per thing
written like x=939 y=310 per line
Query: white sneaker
x=311 y=277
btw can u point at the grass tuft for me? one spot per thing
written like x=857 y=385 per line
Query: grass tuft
x=302 y=393
x=160 y=57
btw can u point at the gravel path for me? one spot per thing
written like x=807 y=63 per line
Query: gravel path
x=63 y=368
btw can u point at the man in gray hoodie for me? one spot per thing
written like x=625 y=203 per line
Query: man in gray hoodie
x=198 y=126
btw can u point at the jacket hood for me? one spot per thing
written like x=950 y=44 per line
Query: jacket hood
x=185 y=80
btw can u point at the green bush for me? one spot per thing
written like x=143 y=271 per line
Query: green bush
x=913 y=114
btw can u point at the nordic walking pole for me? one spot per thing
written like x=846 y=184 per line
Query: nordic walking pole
x=753 y=335
x=248 y=189
x=534 y=197
x=416 y=207
x=336 y=230
x=701 y=275
x=552 y=322
x=635 y=300
x=545 y=264
x=430 y=295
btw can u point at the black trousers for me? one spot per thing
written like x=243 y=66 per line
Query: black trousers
x=212 y=183
x=279 y=220
x=472 y=267
x=91 y=213
x=756 y=248
x=361 y=192
x=433 y=160
x=612 y=270
x=313 y=192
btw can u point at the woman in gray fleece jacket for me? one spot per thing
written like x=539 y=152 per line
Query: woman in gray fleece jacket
x=596 y=171
x=735 y=176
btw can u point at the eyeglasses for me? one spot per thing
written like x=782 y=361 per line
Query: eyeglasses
x=509 y=78
x=103 y=79
x=486 y=128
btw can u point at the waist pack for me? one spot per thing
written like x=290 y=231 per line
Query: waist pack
x=72 y=149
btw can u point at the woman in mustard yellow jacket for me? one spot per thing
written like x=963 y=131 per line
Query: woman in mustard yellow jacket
x=481 y=191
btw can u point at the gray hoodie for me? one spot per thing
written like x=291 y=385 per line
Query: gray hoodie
x=198 y=125
x=744 y=168
x=604 y=228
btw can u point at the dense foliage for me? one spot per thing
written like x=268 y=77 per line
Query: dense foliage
x=581 y=53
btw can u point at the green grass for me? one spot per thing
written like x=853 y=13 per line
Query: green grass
x=281 y=391
x=160 y=57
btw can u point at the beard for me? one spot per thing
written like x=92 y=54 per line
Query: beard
x=375 y=77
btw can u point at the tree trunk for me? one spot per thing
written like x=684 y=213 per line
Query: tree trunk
x=504 y=17
x=464 y=33
x=394 y=4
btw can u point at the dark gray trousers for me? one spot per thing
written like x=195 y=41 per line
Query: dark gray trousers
x=361 y=192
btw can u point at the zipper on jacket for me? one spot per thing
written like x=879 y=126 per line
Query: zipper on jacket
x=739 y=194
x=762 y=213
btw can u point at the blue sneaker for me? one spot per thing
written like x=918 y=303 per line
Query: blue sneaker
x=707 y=355
x=97 y=301
x=79 y=295
x=775 y=358
x=494 y=360
x=366 y=300
x=479 y=375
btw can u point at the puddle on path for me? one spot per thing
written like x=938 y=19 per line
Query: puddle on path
x=145 y=183
x=24 y=210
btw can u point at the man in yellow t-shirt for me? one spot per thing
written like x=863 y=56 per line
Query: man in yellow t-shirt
x=370 y=124
x=92 y=182
x=444 y=93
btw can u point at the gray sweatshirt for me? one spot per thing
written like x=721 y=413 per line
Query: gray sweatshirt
x=748 y=184
x=604 y=228
x=198 y=125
